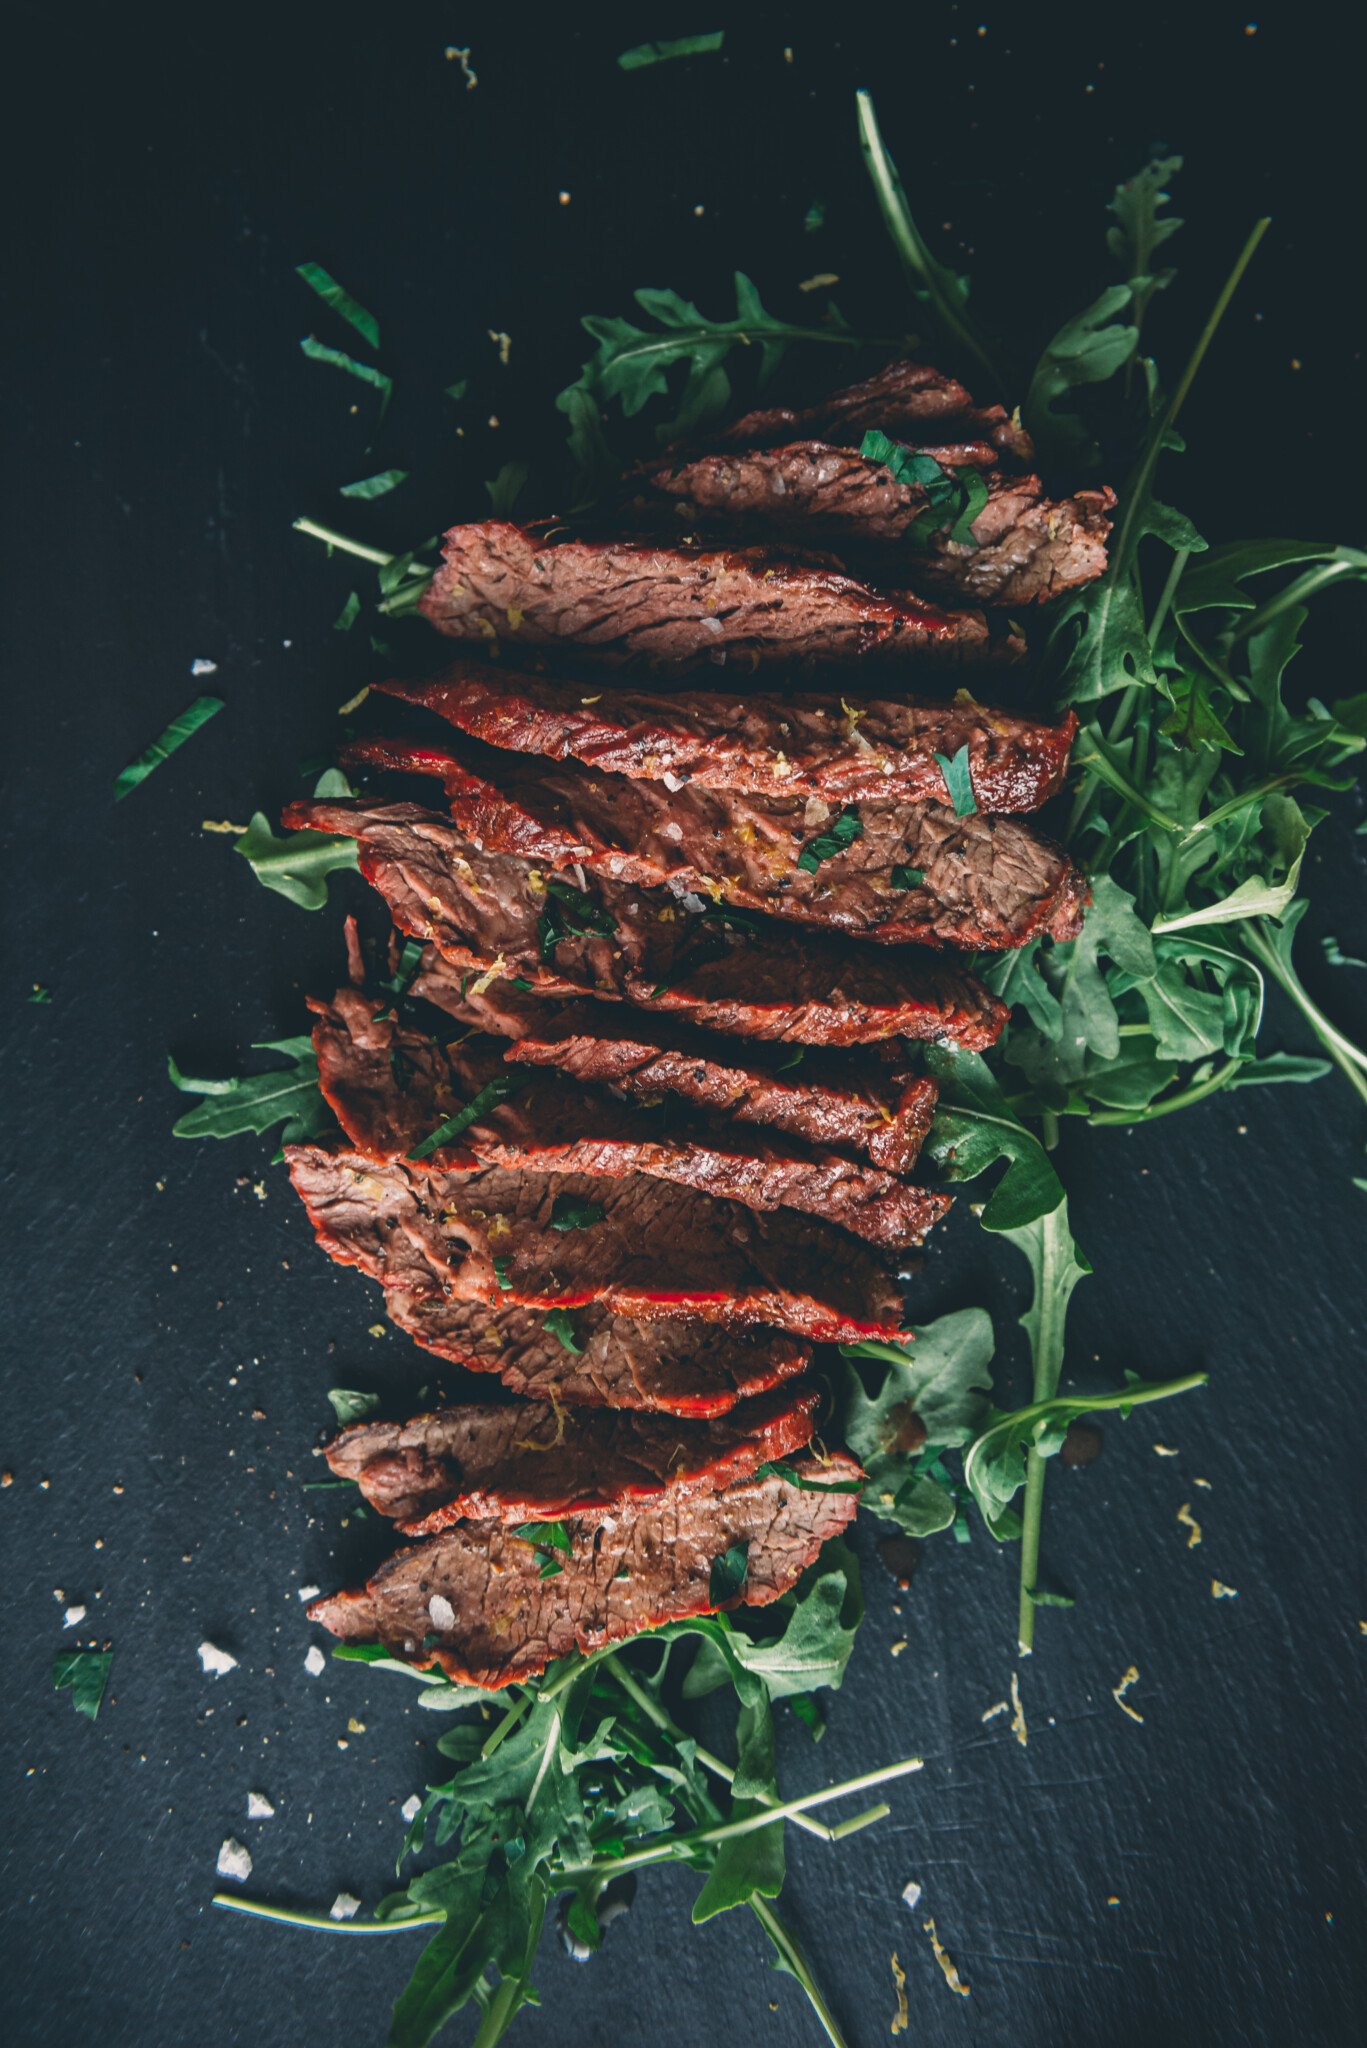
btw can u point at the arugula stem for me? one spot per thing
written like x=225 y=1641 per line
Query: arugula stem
x=1196 y=1092
x=321 y=1923
x=333 y=539
x=1052 y=1300
x=1351 y=563
x=797 y=1965
x=1341 y=1049
x=511 y=1995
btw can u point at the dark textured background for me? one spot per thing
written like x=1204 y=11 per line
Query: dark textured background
x=171 y=1335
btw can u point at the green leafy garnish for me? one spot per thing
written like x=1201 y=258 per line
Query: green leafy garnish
x=727 y=1576
x=904 y=877
x=340 y=301
x=507 y=487
x=177 y=732
x=256 y=1102
x=493 y=1092
x=348 y=615
x=297 y=865
x=642 y=54
x=559 y=1324
x=568 y=1212
x=930 y=1397
x=959 y=782
x=568 y=914
x=838 y=835
x=776 y=1469
x=954 y=497
x=546 y=1535
x=503 y=1274
x=319 y=352
x=350 y=1406
x=84 y=1674
x=377 y=486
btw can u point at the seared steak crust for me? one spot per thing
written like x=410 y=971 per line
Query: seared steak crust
x=472 y=1600
x=673 y=605
x=907 y=400
x=531 y=1462
x=651 y=1250
x=879 y=749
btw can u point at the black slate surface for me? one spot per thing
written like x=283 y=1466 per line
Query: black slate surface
x=170 y=1331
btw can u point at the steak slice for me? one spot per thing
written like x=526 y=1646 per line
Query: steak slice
x=673 y=604
x=391 y=1089
x=983 y=883
x=862 y=1101
x=1026 y=548
x=880 y=749
x=680 y=1367
x=489 y=912
x=472 y=1600
x=904 y=399
x=532 y=1462
x=643 y=1247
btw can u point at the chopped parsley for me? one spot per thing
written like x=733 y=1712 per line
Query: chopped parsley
x=177 y=732
x=908 y=878
x=560 y=1325
x=569 y=914
x=569 y=1213
x=839 y=835
x=84 y=1674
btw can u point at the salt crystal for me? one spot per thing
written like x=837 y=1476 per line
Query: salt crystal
x=344 y=1907
x=911 y=1895
x=410 y=1807
x=673 y=783
x=309 y=1592
x=315 y=1662
x=216 y=1661
x=259 y=1807
x=73 y=1616
x=442 y=1612
x=234 y=1861
x=203 y=668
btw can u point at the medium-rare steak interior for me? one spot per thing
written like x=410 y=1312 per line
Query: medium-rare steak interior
x=529 y=1462
x=472 y=1600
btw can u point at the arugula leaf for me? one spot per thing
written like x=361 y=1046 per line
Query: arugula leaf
x=728 y=1572
x=959 y=782
x=340 y=300
x=350 y=1406
x=1278 y=1067
x=974 y=1127
x=546 y=1536
x=660 y=53
x=507 y=487
x=1139 y=232
x=177 y=732
x=84 y=1674
x=493 y=1092
x=840 y=834
x=1088 y=349
x=297 y=865
x=820 y=1618
x=377 y=486
x=568 y=1212
x=930 y=1398
x=319 y=352
x=749 y=1865
x=255 y=1102
x=348 y=615
x=559 y=1323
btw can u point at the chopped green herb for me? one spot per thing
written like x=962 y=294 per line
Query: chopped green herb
x=502 y=1275
x=569 y=913
x=319 y=352
x=954 y=498
x=376 y=486
x=39 y=993
x=569 y=1213
x=908 y=878
x=792 y=1477
x=959 y=782
x=348 y=615
x=810 y=1712
x=660 y=53
x=84 y=1674
x=507 y=487
x=340 y=301
x=728 y=1573
x=551 y=1568
x=546 y=1535
x=1334 y=955
x=839 y=835
x=560 y=1325
x=177 y=732
x=495 y=1091
x=458 y=389
x=296 y=866
x=350 y=1406
x=814 y=218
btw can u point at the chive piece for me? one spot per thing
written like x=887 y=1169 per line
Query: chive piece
x=643 y=54
x=177 y=732
x=340 y=300
x=376 y=486
x=495 y=1091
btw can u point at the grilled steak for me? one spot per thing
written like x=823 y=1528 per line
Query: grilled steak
x=644 y=1248
x=909 y=401
x=680 y=1367
x=1025 y=548
x=392 y=1088
x=878 y=749
x=531 y=1462
x=915 y=874
x=489 y=912
x=675 y=604
x=472 y=1600
x=860 y=1101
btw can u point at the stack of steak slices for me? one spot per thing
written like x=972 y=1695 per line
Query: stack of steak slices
x=633 y=1125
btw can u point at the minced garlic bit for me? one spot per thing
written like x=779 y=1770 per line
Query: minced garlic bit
x=1164 y=1451
x=463 y=56
x=355 y=1727
x=353 y=703
x=1190 y=1524
x=946 y=1962
x=820 y=281
x=377 y=1330
x=897 y=1648
x=223 y=825
x=1018 y=1727
x=489 y=977
x=1203 y=1483
x=502 y=342
x=1118 y=1693
x=901 y=2019
x=1220 y=1591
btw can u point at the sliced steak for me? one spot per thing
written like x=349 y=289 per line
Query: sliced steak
x=680 y=1367
x=862 y=1101
x=914 y=874
x=490 y=912
x=881 y=749
x=673 y=605
x=392 y=1088
x=645 y=1248
x=533 y=1462
x=472 y=1600
x=904 y=399
x=1026 y=548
